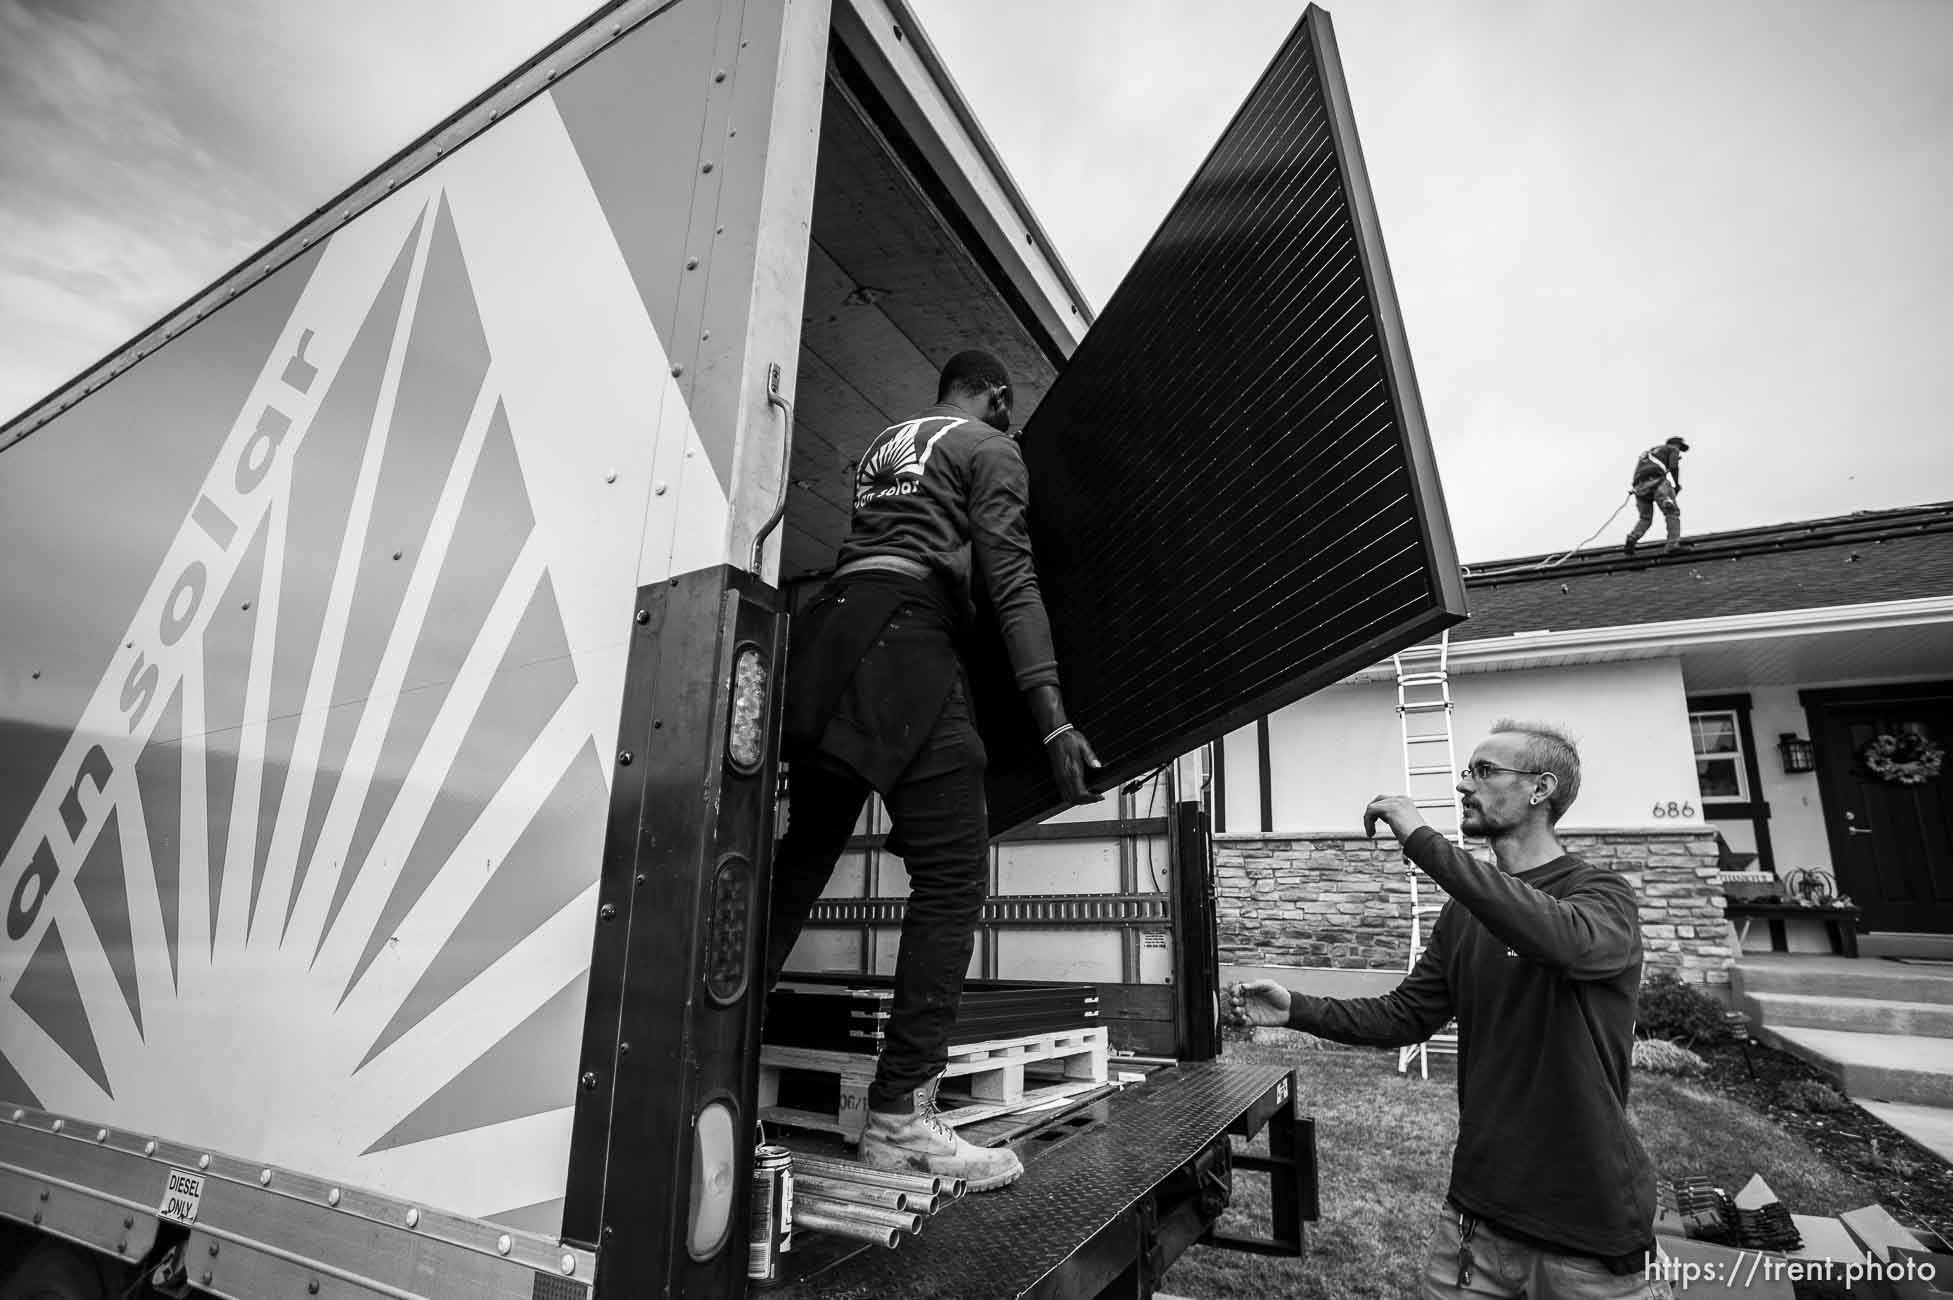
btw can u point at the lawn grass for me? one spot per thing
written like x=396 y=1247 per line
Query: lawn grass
x=1689 y=1131
x=1383 y=1147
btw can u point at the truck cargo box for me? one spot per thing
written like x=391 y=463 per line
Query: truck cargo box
x=391 y=635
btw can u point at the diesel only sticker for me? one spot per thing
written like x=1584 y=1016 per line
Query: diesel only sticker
x=182 y=1192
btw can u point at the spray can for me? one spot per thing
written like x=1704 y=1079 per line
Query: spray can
x=769 y=1231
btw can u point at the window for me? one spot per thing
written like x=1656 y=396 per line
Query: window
x=1718 y=740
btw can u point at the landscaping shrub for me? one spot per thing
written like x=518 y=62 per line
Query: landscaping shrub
x=1678 y=1012
x=1813 y=1096
x=1664 y=1057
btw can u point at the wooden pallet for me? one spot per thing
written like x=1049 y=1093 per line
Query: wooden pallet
x=983 y=1080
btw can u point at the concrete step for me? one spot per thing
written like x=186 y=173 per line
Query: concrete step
x=1844 y=977
x=1930 y=1126
x=1881 y=1067
x=1882 y=944
x=1861 y=1015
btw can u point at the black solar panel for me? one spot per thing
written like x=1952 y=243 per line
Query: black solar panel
x=1233 y=496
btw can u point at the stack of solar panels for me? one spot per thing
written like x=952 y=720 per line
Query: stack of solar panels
x=849 y=1013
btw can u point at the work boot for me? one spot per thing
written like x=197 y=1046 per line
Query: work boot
x=918 y=1142
x=1632 y=542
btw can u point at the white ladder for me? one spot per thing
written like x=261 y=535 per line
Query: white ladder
x=1424 y=709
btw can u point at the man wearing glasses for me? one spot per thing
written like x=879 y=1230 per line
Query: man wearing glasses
x=1539 y=960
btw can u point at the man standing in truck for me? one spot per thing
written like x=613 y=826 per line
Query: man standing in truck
x=1539 y=959
x=877 y=700
x=1657 y=478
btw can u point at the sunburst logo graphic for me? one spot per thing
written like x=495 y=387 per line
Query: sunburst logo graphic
x=317 y=874
x=896 y=460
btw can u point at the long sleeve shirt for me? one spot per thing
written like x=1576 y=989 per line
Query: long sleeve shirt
x=1542 y=971
x=954 y=494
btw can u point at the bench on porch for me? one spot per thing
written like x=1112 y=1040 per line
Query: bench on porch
x=1840 y=922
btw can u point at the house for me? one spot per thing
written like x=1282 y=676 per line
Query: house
x=1767 y=699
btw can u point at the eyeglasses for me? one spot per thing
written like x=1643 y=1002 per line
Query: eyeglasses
x=1483 y=769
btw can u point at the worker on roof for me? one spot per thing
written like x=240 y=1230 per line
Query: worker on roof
x=877 y=700
x=1657 y=478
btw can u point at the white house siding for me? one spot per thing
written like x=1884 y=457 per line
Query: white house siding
x=1797 y=834
x=1329 y=753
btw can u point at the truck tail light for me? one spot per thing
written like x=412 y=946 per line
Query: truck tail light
x=715 y=1174
x=746 y=735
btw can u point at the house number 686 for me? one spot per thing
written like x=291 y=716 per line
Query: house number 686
x=1681 y=811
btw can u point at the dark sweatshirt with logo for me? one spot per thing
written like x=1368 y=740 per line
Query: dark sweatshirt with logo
x=1542 y=970
x=954 y=494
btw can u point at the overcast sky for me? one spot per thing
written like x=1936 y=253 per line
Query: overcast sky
x=1608 y=223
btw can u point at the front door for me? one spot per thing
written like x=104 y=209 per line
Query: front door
x=1889 y=813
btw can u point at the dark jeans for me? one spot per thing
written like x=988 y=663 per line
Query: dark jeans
x=941 y=831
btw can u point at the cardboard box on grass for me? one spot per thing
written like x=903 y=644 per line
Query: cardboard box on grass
x=1922 y=1284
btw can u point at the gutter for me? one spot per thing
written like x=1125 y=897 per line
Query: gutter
x=1646 y=640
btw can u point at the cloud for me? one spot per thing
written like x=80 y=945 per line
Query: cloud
x=145 y=149
x=111 y=210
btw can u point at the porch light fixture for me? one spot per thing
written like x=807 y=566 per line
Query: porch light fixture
x=1798 y=755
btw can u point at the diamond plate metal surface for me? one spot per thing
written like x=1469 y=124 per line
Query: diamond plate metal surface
x=550 y=1287
x=1019 y=1241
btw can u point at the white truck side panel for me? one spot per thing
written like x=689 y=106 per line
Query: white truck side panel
x=352 y=937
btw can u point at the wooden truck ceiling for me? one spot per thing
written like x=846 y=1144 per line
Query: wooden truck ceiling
x=893 y=291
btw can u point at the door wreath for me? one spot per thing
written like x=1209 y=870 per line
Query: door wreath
x=1902 y=758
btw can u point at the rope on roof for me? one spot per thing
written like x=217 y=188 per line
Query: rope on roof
x=1552 y=561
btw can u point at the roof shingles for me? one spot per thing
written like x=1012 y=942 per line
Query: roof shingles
x=1850 y=560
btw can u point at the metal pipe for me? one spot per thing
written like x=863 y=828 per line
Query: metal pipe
x=813 y=1221
x=896 y=1219
x=925 y=1183
x=775 y=398
x=840 y=1189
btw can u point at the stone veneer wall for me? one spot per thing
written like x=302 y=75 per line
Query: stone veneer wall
x=1341 y=901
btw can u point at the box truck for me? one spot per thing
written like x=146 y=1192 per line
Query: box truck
x=391 y=649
